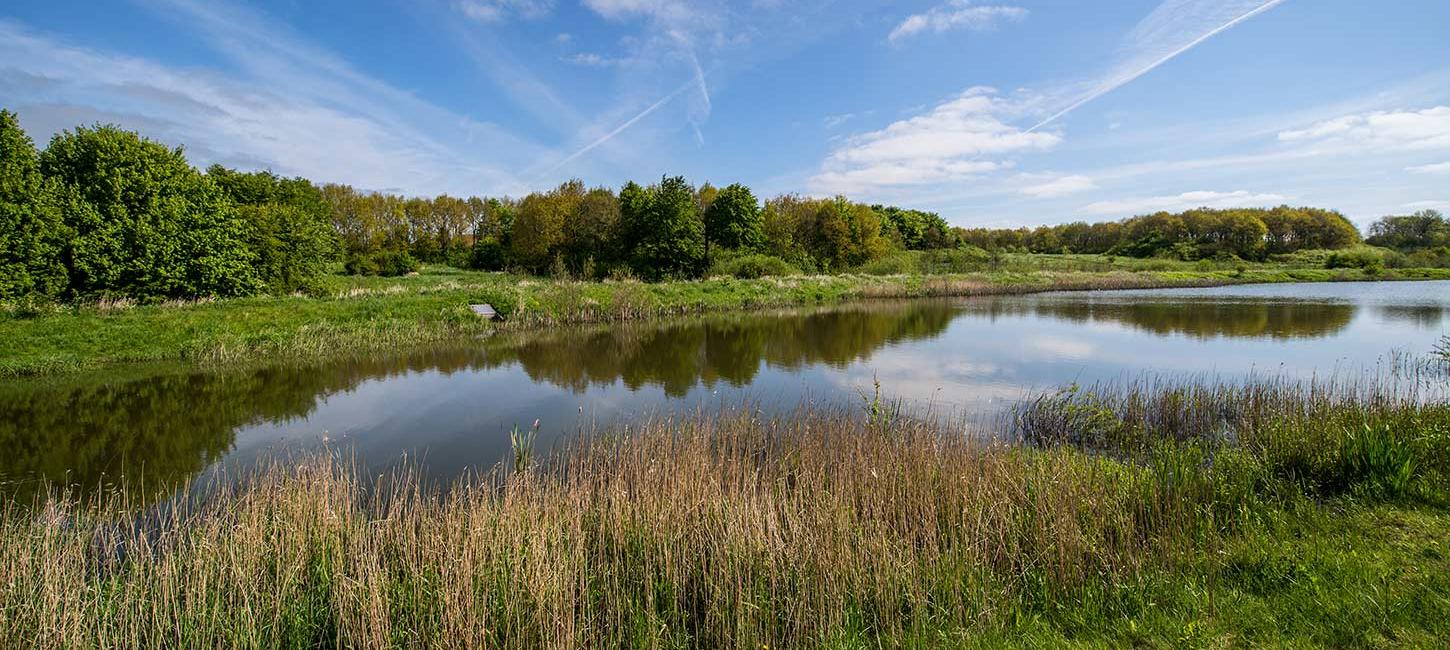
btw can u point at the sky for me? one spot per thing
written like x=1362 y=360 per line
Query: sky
x=992 y=113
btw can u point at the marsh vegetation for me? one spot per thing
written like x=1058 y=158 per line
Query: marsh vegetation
x=1161 y=514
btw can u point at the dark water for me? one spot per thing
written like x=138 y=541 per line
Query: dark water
x=452 y=408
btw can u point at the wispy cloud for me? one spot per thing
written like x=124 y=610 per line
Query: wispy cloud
x=1185 y=201
x=949 y=142
x=1381 y=131
x=1438 y=204
x=590 y=59
x=943 y=145
x=1436 y=168
x=1174 y=28
x=621 y=128
x=1059 y=186
x=293 y=108
x=497 y=11
x=956 y=15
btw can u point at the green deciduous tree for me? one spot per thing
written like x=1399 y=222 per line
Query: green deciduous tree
x=287 y=225
x=733 y=219
x=147 y=224
x=33 y=234
x=663 y=225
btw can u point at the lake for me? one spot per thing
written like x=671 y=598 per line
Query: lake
x=452 y=408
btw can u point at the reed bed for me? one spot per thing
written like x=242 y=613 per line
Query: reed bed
x=826 y=528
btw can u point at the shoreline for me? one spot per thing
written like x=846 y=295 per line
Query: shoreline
x=377 y=314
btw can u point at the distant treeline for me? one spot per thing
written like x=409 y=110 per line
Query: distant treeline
x=1246 y=233
x=104 y=212
x=670 y=229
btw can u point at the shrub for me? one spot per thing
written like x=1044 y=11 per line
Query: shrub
x=901 y=263
x=1370 y=260
x=383 y=263
x=488 y=254
x=749 y=267
x=966 y=259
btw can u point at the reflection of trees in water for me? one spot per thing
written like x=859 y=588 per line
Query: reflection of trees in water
x=165 y=427
x=1196 y=317
x=159 y=429
x=678 y=356
x=1420 y=315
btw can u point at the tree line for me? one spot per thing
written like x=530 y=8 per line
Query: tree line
x=669 y=229
x=105 y=212
x=1202 y=233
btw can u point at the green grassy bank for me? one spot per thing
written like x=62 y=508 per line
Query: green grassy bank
x=1320 y=522
x=357 y=314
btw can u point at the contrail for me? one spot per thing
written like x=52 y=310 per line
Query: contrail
x=1121 y=81
x=697 y=82
x=620 y=129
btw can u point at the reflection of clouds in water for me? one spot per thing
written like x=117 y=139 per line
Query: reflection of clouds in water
x=1062 y=348
x=976 y=355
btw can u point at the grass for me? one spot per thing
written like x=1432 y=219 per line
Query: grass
x=1303 y=515
x=356 y=314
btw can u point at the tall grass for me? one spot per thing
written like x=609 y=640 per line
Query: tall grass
x=823 y=528
x=1323 y=437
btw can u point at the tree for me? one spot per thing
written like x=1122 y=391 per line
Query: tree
x=663 y=224
x=33 y=234
x=591 y=236
x=733 y=219
x=846 y=234
x=1423 y=229
x=288 y=225
x=538 y=228
x=147 y=224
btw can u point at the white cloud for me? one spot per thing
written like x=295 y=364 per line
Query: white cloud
x=1184 y=201
x=495 y=11
x=667 y=11
x=956 y=14
x=293 y=108
x=943 y=145
x=1380 y=131
x=1060 y=186
x=1436 y=168
x=1428 y=205
x=590 y=59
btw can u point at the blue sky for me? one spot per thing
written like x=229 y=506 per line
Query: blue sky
x=992 y=112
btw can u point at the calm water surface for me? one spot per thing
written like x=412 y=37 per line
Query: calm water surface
x=452 y=408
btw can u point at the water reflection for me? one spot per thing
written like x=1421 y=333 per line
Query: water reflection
x=680 y=356
x=1198 y=317
x=1424 y=315
x=167 y=425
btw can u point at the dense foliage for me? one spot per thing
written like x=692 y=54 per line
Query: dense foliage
x=32 y=232
x=104 y=212
x=1246 y=233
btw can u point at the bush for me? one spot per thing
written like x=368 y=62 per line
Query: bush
x=1429 y=258
x=749 y=267
x=1368 y=259
x=488 y=254
x=901 y=263
x=382 y=263
x=966 y=259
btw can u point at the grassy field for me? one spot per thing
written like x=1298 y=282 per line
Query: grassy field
x=1148 y=515
x=357 y=314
